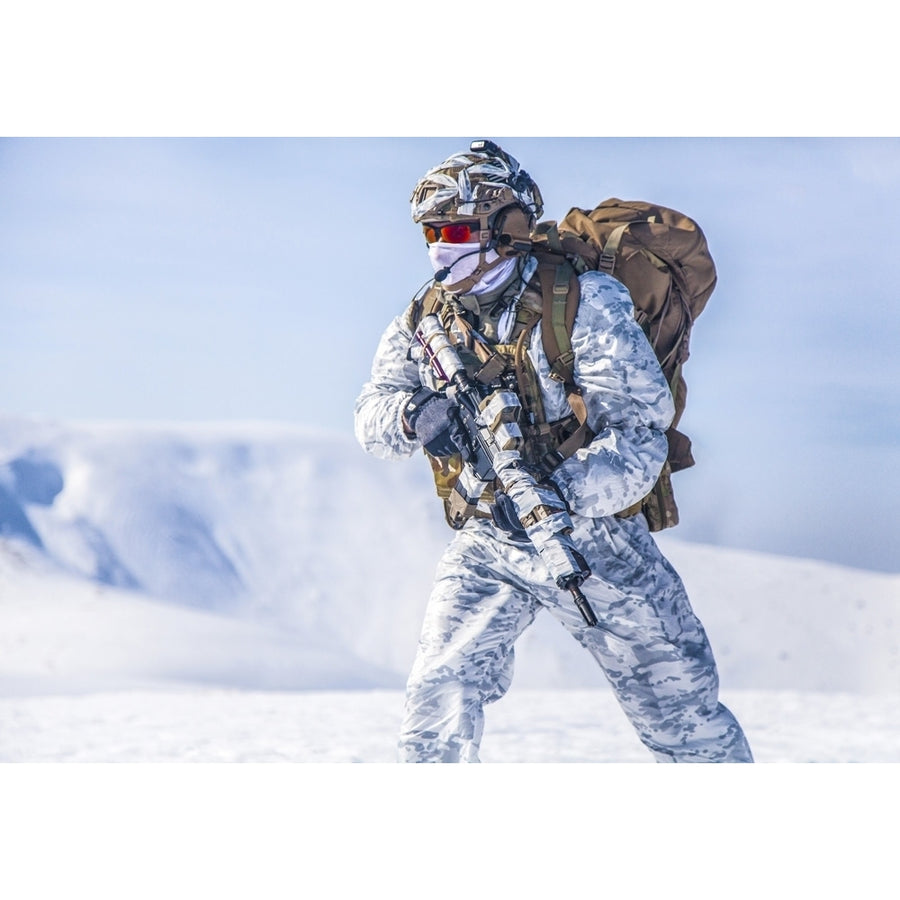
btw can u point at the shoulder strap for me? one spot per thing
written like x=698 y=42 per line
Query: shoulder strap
x=423 y=304
x=561 y=294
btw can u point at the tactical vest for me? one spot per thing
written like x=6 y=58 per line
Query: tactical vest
x=545 y=444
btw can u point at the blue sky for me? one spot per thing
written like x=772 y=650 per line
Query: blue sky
x=250 y=278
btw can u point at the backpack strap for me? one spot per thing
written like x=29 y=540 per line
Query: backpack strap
x=561 y=294
x=607 y=261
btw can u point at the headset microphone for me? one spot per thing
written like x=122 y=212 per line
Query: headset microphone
x=441 y=274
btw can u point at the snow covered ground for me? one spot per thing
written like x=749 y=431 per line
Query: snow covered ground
x=252 y=593
x=528 y=726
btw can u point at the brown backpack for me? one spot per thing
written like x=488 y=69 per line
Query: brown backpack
x=662 y=257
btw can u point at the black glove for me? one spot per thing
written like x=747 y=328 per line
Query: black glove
x=504 y=515
x=435 y=420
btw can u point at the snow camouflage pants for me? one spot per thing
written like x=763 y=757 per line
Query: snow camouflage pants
x=649 y=643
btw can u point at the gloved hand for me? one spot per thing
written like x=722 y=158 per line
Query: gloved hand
x=546 y=520
x=504 y=515
x=434 y=420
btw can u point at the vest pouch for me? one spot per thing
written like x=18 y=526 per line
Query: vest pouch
x=446 y=471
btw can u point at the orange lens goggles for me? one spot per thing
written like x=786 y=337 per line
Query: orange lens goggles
x=454 y=233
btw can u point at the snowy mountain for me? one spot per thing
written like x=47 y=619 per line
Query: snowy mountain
x=264 y=556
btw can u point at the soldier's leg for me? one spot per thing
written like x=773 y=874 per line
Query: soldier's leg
x=465 y=653
x=652 y=647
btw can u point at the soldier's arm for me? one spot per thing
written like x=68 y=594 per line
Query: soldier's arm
x=378 y=411
x=628 y=401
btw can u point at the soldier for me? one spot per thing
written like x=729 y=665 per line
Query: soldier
x=477 y=210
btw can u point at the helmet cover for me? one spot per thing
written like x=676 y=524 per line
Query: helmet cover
x=475 y=185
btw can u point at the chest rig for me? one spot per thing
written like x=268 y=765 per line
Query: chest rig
x=475 y=329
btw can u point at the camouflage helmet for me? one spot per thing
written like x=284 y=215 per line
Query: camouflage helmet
x=479 y=185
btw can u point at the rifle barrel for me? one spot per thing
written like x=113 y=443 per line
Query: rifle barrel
x=584 y=607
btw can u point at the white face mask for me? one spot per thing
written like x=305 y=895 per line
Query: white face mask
x=462 y=260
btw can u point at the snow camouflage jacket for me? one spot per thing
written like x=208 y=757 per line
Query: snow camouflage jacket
x=628 y=401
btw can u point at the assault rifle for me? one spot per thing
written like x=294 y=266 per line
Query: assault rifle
x=492 y=439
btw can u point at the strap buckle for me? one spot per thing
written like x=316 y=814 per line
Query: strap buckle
x=561 y=369
x=607 y=262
